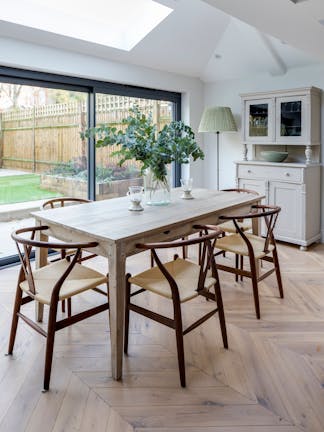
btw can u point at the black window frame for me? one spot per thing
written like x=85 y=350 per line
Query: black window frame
x=91 y=87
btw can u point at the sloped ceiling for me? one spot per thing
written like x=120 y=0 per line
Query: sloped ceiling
x=244 y=51
x=298 y=24
x=212 y=39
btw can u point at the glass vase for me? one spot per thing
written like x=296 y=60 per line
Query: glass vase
x=157 y=190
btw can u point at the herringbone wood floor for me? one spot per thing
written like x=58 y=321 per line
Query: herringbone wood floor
x=270 y=380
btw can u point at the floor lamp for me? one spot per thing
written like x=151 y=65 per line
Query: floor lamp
x=217 y=119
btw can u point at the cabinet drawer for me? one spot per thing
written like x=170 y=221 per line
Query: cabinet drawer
x=289 y=174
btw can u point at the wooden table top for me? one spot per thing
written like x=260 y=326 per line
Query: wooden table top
x=111 y=219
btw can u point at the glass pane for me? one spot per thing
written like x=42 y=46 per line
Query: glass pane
x=258 y=120
x=290 y=117
x=41 y=153
x=113 y=180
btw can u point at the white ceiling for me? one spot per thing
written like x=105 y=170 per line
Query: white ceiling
x=213 y=39
x=296 y=24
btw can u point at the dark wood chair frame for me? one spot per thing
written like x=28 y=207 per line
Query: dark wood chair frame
x=270 y=215
x=207 y=263
x=238 y=190
x=24 y=246
x=60 y=202
x=184 y=253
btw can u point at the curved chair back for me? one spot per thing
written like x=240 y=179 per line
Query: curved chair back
x=61 y=202
x=206 y=258
x=186 y=281
x=44 y=285
x=270 y=216
x=241 y=190
x=25 y=242
x=254 y=247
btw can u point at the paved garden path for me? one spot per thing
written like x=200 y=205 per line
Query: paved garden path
x=9 y=172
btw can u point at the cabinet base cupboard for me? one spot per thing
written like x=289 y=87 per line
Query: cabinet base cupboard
x=295 y=188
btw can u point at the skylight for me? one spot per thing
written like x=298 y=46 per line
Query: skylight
x=115 y=23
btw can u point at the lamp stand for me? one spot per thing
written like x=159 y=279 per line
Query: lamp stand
x=217 y=154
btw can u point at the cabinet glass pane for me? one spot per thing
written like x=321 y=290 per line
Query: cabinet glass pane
x=258 y=120
x=290 y=118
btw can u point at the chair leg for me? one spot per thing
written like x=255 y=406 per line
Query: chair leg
x=152 y=260
x=180 y=348
x=221 y=315
x=15 y=319
x=184 y=249
x=69 y=306
x=63 y=306
x=236 y=266
x=223 y=235
x=50 y=345
x=200 y=248
x=254 y=277
x=278 y=273
x=241 y=266
x=127 y=301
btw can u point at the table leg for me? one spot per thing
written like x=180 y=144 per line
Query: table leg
x=256 y=230
x=41 y=261
x=256 y=226
x=117 y=286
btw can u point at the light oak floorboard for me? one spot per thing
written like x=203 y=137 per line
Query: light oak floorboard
x=270 y=380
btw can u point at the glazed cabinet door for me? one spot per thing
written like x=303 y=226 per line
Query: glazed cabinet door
x=259 y=121
x=290 y=221
x=291 y=120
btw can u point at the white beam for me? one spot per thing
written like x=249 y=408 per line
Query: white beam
x=280 y=67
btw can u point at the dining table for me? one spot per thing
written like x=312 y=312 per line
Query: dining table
x=118 y=231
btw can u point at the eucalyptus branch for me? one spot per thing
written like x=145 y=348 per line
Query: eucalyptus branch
x=140 y=141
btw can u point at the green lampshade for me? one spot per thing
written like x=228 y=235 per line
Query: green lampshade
x=217 y=119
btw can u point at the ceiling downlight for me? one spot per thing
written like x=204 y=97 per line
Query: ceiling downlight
x=298 y=1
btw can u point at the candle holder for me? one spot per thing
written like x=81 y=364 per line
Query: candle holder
x=135 y=194
x=186 y=185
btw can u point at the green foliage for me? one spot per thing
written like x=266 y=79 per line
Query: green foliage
x=70 y=168
x=109 y=173
x=77 y=168
x=57 y=96
x=141 y=141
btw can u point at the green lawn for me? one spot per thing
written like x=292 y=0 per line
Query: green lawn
x=22 y=188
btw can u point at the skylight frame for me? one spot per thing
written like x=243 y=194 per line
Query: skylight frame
x=119 y=24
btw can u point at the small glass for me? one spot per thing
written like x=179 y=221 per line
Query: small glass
x=135 y=194
x=186 y=185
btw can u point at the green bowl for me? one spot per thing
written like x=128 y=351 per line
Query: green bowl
x=274 y=156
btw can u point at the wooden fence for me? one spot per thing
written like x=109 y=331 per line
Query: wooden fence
x=40 y=138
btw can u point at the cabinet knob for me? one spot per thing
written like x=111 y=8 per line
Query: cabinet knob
x=249 y=171
x=287 y=174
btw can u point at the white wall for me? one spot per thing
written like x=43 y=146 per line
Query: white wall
x=19 y=54
x=226 y=93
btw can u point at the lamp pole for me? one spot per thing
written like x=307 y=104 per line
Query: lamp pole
x=217 y=119
x=217 y=155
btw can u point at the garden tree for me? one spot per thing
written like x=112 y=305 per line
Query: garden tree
x=11 y=93
x=16 y=95
x=65 y=96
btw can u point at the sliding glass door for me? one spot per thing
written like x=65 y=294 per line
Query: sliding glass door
x=41 y=153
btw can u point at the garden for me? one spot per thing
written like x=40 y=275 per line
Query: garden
x=16 y=188
x=44 y=141
x=71 y=179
